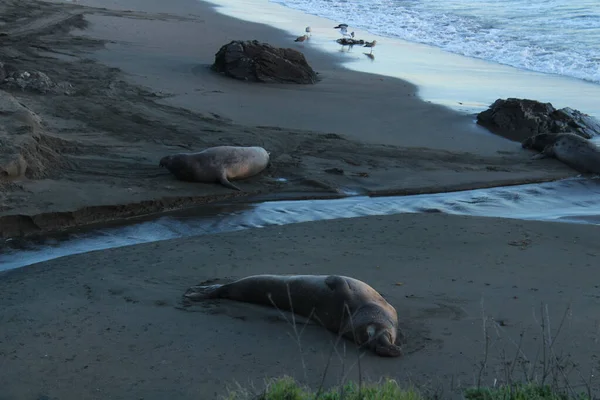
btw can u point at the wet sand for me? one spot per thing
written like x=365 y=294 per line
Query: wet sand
x=107 y=324
x=92 y=154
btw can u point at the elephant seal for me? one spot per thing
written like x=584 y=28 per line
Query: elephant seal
x=217 y=164
x=575 y=151
x=372 y=323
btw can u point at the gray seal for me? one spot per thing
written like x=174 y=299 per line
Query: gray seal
x=575 y=151
x=343 y=305
x=217 y=164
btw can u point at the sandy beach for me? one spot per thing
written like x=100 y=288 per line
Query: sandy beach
x=110 y=324
x=134 y=84
x=135 y=97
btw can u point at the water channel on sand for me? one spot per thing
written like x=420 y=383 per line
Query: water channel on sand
x=574 y=200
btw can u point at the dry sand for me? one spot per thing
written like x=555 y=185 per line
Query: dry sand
x=91 y=155
x=108 y=324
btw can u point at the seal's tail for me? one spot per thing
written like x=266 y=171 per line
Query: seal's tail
x=199 y=293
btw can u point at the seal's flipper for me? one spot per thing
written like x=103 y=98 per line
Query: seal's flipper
x=391 y=350
x=539 y=156
x=547 y=152
x=225 y=182
x=199 y=293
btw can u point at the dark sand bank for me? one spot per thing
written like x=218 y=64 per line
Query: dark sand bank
x=92 y=154
x=107 y=324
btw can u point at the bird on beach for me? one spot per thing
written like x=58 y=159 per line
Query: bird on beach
x=308 y=30
x=371 y=45
x=301 y=38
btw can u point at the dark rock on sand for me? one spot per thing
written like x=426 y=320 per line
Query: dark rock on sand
x=261 y=62
x=518 y=119
x=34 y=81
x=349 y=42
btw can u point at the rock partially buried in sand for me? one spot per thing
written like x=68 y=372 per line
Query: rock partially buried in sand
x=261 y=62
x=518 y=119
x=350 y=42
x=34 y=81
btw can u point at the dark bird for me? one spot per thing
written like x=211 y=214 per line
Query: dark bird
x=371 y=45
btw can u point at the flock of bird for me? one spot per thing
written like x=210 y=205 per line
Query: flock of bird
x=343 y=30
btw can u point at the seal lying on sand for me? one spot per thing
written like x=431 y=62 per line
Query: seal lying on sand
x=575 y=151
x=321 y=298
x=217 y=164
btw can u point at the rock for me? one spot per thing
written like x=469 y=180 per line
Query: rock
x=518 y=119
x=261 y=62
x=569 y=120
x=349 y=42
x=35 y=81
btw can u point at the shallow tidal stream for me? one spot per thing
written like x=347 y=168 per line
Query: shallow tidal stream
x=575 y=200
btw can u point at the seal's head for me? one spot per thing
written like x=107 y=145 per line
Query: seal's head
x=165 y=161
x=376 y=331
x=179 y=165
x=381 y=338
x=539 y=142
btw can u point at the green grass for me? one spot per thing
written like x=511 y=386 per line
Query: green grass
x=287 y=388
x=520 y=392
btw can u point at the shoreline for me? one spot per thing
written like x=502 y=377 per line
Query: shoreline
x=464 y=84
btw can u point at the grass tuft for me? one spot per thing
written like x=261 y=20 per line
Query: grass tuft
x=287 y=388
x=520 y=392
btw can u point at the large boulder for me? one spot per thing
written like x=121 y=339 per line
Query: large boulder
x=518 y=119
x=261 y=62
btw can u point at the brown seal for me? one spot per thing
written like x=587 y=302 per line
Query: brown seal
x=575 y=151
x=217 y=164
x=343 y=305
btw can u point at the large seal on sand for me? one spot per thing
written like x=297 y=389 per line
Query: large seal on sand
x=575 y=151
x=343 y=305
x=217 y=164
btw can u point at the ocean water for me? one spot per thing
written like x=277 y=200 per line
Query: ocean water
x=549 y=36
